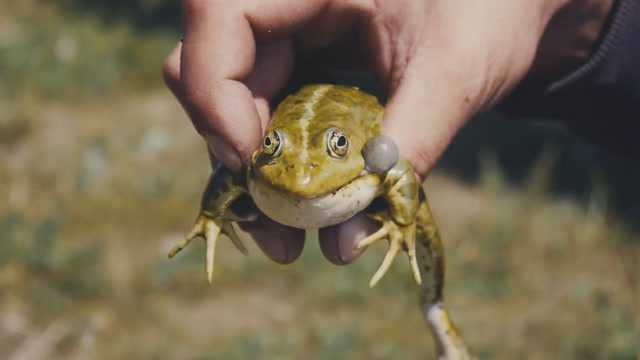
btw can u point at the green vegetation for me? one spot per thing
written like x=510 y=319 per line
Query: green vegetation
x=60 y=56
x=94 y=188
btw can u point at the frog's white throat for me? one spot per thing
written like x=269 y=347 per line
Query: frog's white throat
x=318 y=212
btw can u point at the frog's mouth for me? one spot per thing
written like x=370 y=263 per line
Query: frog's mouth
x=325 y=210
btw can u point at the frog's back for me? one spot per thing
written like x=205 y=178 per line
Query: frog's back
x=319 y=106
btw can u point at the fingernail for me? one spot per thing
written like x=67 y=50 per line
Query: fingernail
x=224 y=152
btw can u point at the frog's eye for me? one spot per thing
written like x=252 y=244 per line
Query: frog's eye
x=272 y=144
x=337 y=143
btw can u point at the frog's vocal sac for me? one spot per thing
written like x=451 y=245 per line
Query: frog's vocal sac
x=322 y=160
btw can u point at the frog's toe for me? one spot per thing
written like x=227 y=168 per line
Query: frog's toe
x=394 y=247
x=227 y=229
x=210 y=230
x=409 y=235
x=381 y=233
x=183 y=243
x=399 y=237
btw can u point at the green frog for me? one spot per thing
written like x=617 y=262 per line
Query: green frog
x=323 y=160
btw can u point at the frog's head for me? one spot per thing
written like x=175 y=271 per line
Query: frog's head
x=313 y=146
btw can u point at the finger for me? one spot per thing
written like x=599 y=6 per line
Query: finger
x=212 y=159
x=425 y=110
x=171 y=75
x=339 y=242
x=280 y=243
x=218 y=53
x=171 y=72
x=272 y=69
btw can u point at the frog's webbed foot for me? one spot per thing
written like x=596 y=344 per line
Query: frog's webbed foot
x=210 y=229
x=399 y=237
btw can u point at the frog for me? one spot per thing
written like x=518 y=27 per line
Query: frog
x=323 y=160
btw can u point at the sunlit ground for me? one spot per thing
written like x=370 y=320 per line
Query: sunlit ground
x=94 y=189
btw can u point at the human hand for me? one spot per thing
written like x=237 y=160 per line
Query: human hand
x=441 y=61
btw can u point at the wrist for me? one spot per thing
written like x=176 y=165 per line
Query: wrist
x=570 y=36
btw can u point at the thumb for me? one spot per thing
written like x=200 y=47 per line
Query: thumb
x=425 y=111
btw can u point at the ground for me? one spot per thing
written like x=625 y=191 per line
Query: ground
x=100 y=176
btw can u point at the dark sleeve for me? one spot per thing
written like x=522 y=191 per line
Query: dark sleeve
x=601 y=99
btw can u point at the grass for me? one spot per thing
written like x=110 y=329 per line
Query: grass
x=46 y=53
x=99 y=180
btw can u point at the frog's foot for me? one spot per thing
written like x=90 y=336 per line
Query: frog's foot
x=399 y=236
x=209 y=228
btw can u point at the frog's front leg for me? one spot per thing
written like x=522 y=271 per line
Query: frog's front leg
x=401 y=192
x=225 y=200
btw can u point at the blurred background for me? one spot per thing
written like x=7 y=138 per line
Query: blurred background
x=101 y=172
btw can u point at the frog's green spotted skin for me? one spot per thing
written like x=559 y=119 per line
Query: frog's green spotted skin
x=311 y=173
x=304 y=168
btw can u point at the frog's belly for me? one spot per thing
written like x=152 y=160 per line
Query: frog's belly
x=318 y=212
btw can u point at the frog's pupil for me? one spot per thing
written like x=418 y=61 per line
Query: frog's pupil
x=342 y=141
x=267 y=141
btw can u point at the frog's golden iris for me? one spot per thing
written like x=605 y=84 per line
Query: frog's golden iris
x=337 y=143
x=273 y=143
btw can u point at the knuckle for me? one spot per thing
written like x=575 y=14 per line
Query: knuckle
x=196 y=97
x=202 y=107
x=422 y=161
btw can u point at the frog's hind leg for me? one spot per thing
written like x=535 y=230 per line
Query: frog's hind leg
x=217 y=214
x=430 y=254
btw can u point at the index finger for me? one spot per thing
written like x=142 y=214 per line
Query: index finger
x=218 y=53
